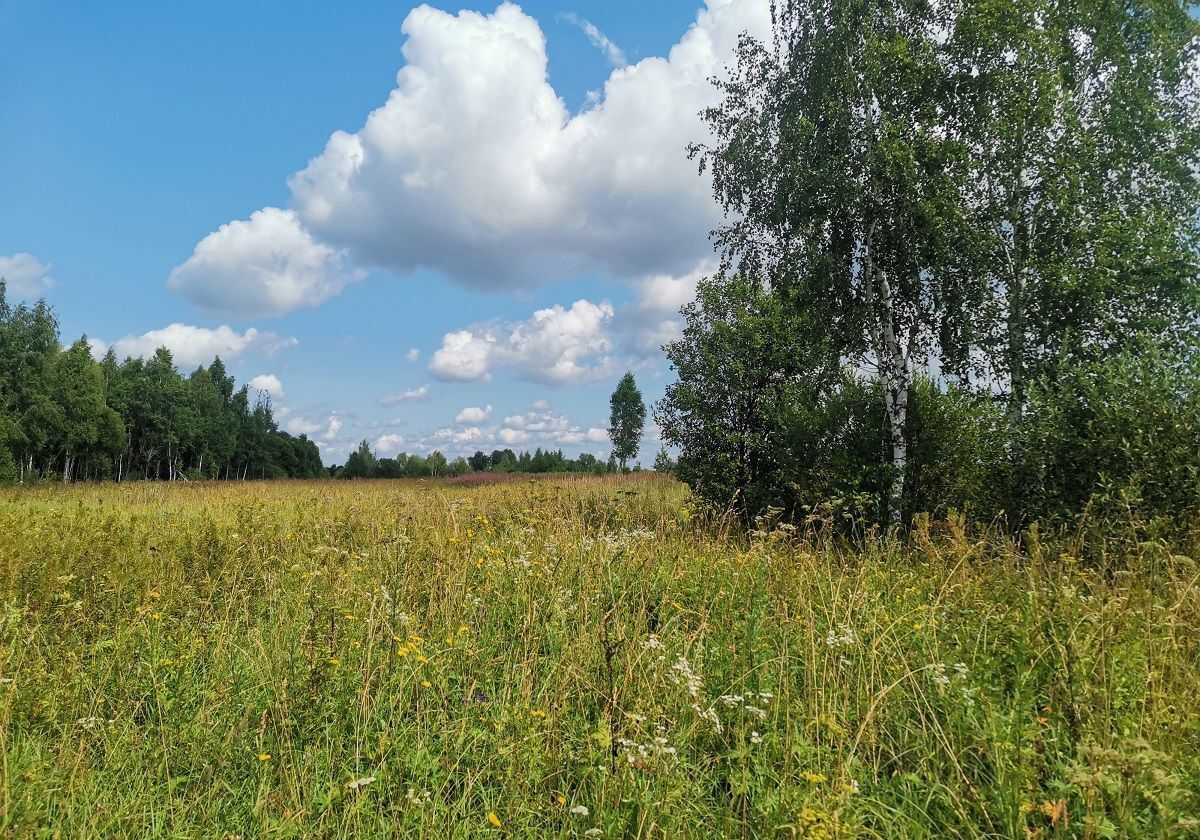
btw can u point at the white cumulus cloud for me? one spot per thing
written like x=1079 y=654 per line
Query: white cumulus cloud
x=476 y=168
x=266 y=265
x=555 y=346
x=191 y=346
x=26 y=276
x=473 y=414
x=268 y=382
x=389 y=444
x=412 y=355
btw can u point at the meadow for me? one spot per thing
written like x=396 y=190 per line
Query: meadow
x=586 y=657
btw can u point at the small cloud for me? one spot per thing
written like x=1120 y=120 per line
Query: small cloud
x=597 y=435
x=473 y=414
x=268 y=382
x=540 y=405
x=335 y=427
x=614 y=54
x=411 y=396
x=389 y=444
x=27 y=276
x=514 y=435
x=557 y=346
x=412 y=355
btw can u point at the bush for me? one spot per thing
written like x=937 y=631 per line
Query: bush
x=1114 y=438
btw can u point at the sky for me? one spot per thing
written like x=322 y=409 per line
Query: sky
x=430 y=227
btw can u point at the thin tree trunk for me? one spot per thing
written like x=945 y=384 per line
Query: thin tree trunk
x=895 y=375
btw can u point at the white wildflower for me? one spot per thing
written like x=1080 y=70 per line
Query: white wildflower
x=418 y=798
x=842 y=635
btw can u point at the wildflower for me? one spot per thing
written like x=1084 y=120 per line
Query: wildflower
x=652 y=642
x=755 y=738
x=359 y=784
x=418 y=798
x=537 y=713
x=593 y=832
x=264 y=757
x=580 y=810
x=493 y=819
x=710 y=715
x=426 y=683
x=334 y=662
x=842 y=635
x=813 y=778
x=561 y=800
x=684 y=674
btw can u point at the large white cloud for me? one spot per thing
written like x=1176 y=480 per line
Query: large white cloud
x=266 y=265
x=26 y=276
x=191 y=345
x=555 y=346
x=476 y=168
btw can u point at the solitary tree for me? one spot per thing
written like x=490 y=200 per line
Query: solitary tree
x=626 y=420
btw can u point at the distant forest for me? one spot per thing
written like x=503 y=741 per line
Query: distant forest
x=65 y=415
x=363 y=463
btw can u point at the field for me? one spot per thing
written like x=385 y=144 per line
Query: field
x=576 y=658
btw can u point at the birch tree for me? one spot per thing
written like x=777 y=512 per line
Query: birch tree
x=1082 y=119
x=844 y=180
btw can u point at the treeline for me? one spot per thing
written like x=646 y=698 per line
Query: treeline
x=363 y=463
x=65 y=415
x=961 y=267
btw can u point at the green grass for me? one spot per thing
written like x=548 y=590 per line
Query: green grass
x=229 y=660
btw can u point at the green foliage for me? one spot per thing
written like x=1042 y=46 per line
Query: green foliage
x=1003 y=193
x=627 y=417
x=1118 y=437
x=435 y=464
x=361 y=463
x=744 y=369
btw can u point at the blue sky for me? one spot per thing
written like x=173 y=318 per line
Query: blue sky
x=520 y=212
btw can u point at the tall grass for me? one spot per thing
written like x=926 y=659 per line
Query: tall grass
x=574 y=659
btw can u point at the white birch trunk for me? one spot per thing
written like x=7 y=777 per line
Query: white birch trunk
x=894 y=373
